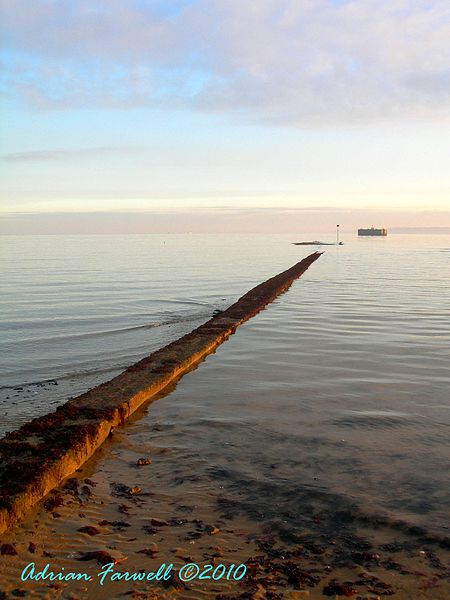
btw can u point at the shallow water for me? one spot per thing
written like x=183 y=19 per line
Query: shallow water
x=78 y=309
x=333 y=401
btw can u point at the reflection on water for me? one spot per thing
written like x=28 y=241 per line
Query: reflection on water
x=331 y=405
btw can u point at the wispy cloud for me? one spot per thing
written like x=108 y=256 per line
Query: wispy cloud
x=283 y=61
x=63 y=154
x=298 y=223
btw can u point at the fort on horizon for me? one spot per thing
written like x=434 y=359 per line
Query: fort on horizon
x=373 y=231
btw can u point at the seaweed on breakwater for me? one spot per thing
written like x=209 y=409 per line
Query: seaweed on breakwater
x=43 y=452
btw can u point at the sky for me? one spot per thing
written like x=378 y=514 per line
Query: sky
x=223 y=115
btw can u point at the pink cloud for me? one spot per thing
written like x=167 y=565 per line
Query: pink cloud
x=292 y=61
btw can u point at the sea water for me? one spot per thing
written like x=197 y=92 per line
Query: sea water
x=336 y=395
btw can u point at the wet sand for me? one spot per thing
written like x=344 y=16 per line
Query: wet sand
x=145 y=515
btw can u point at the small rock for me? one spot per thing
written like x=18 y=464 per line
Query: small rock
x=144 y=461
x=119 y=489
x=149 y=552
x=218 y=551
x=90 y=530
x=133 y=490
x=159 y=523
x=333 y=588
x=150 y=530
x=174 y=581
x=102 y=557
x=185 y=509
x=32 y=547
x=212 y=530
x=8 y=549
x=193 y=535
x=175 y=522
x=115 y=524
x=53 y=502
x=120 y=524
x=72 y=484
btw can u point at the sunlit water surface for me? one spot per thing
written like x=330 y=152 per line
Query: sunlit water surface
x=336 y=395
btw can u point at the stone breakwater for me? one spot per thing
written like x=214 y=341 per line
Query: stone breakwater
x=38 y=456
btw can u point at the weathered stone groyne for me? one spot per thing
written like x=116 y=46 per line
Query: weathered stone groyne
x=38 y=456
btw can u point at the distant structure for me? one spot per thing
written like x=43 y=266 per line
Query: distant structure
x=373 y=231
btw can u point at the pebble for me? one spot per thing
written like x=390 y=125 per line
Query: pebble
x=159 y=523
x=8 y=549
x=260 y=593
x=32 y=547
x=174 y=581
x=90 y=530
x=150 y=530
x=102 y=557
x=149 y=552
x=212 y=530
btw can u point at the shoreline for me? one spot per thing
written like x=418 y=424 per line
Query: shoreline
x=39 y=455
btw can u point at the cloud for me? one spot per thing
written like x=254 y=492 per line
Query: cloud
x=60 y=154
x=297 y=223
x=284 y=61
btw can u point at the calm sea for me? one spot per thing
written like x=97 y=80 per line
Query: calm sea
x=337 y=393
